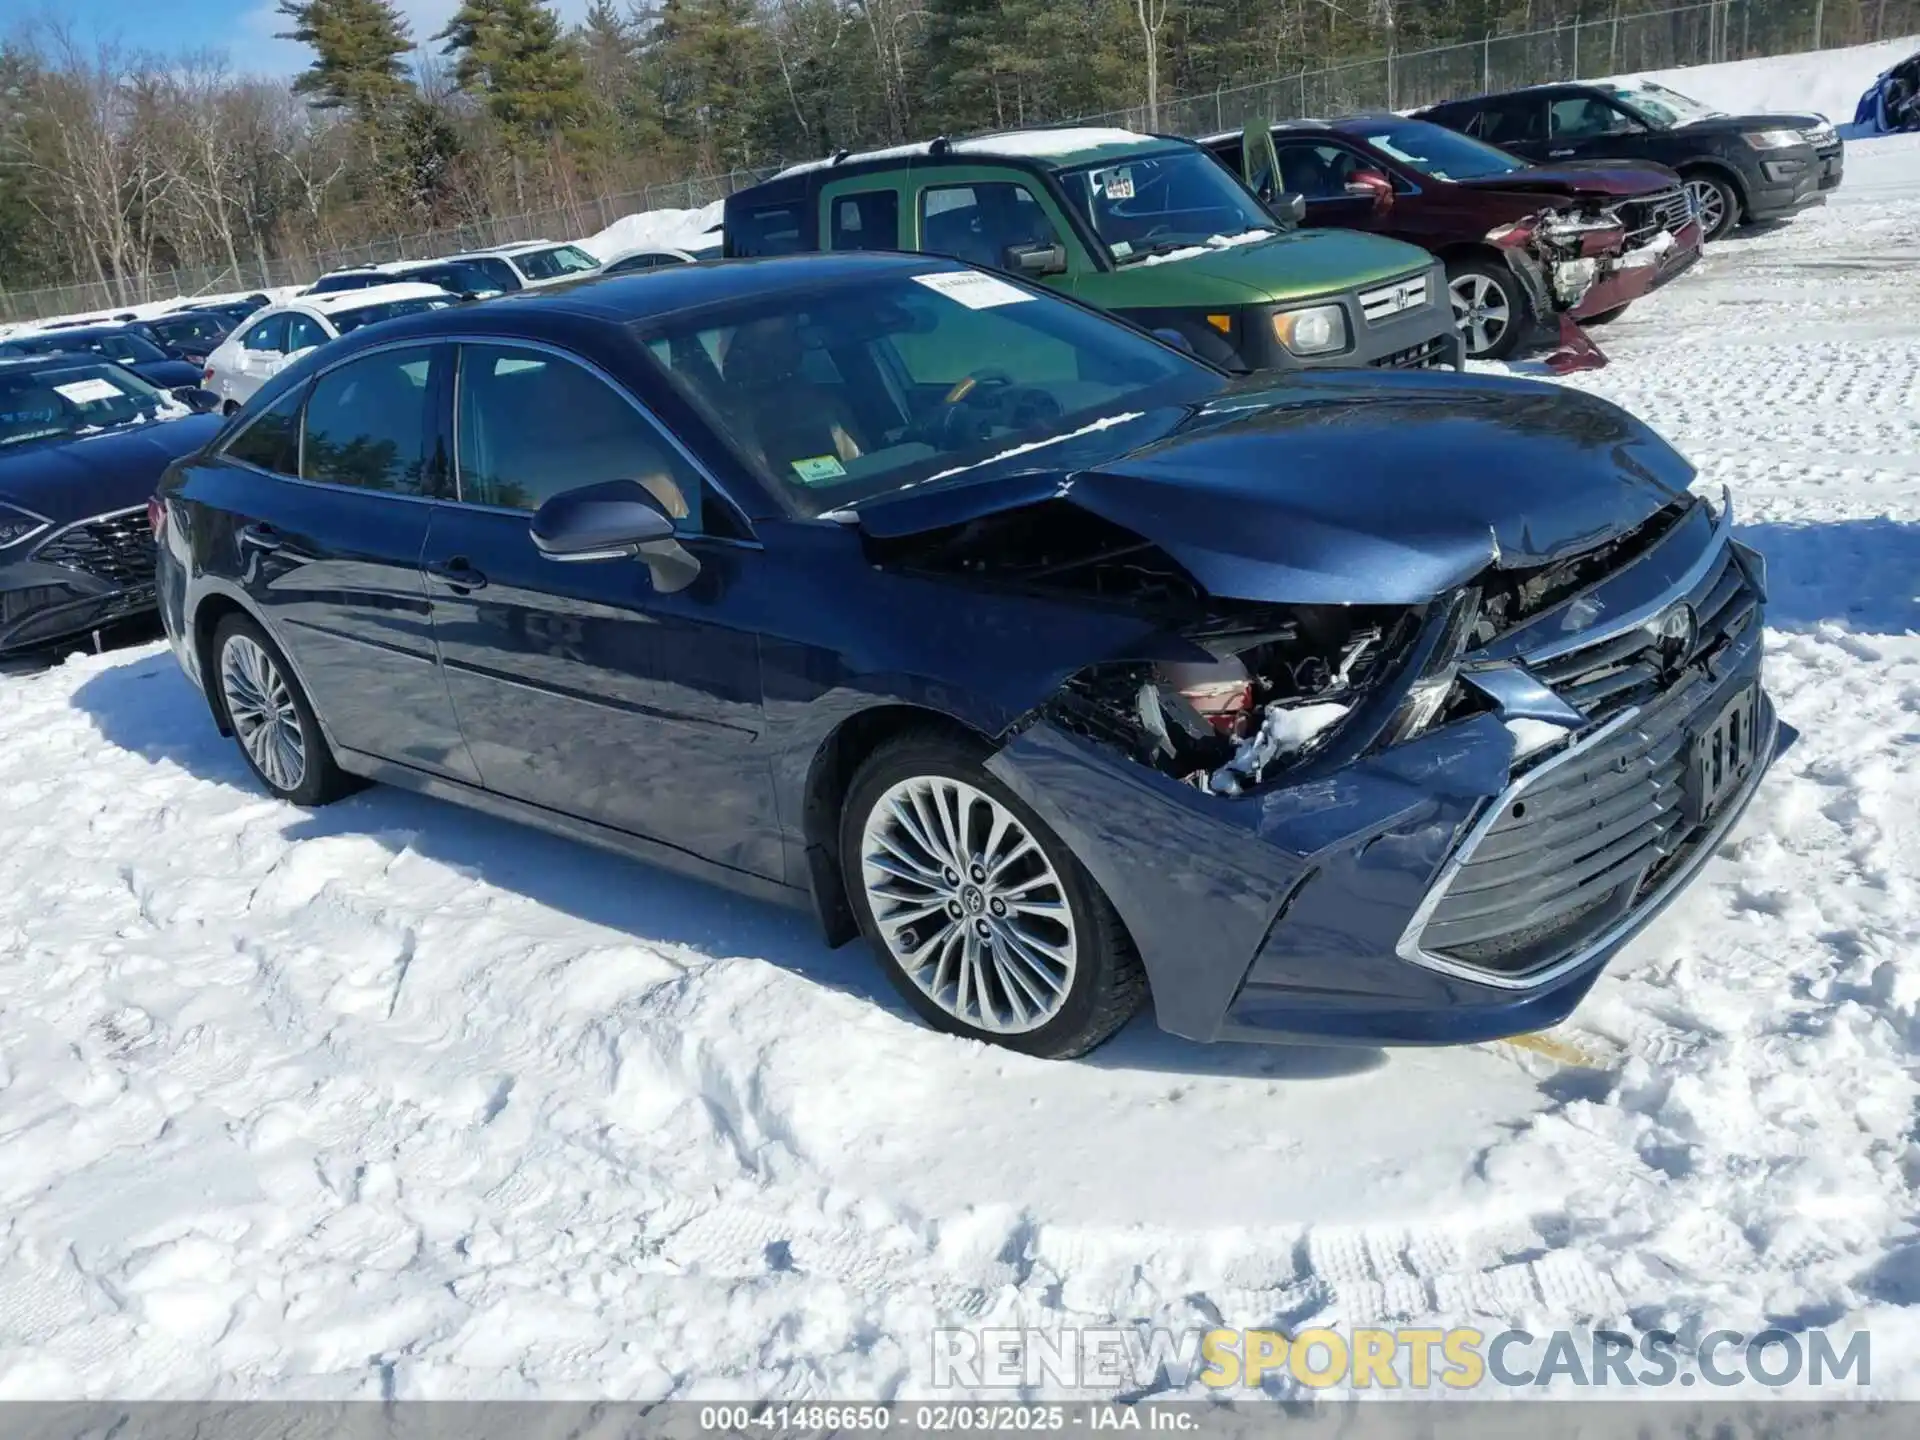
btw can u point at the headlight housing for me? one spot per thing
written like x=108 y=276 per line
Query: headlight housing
x=1772 y=139
x=1427 y=696
x=17 y=527
x=1312 y=330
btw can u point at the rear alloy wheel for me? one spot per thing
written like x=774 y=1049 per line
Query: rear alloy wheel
x=272 y=719
x=1715 y=203
x=986 y=922
x=1488 y=307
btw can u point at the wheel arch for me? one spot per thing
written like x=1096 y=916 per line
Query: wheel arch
x=830 y=775
x=202 y=625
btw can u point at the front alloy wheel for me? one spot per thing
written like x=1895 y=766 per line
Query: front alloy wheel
x=968 y=905
x=984 y=919
x=1714 y=204
x=1487 y=310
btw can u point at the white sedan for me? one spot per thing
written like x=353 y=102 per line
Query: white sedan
x=280 y=334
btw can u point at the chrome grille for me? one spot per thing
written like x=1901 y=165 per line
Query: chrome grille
x=1592 y=834
x=1647 y=216
x=116 y=548
x=1384 y=302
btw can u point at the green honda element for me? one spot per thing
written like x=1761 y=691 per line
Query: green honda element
x=1148 y=227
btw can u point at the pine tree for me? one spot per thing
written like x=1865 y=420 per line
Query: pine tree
x=358 y=47
x=512 y=53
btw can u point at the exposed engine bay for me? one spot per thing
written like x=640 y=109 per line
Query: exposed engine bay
x=1281 y=680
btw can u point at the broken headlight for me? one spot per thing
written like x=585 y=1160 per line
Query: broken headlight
x=1282 y=684
x=1440 y=666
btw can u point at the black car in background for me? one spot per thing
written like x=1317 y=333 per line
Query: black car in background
x=1736 y=167
x=188 y=335
x=1369 y=705
x=82 y=443
x=122 y=344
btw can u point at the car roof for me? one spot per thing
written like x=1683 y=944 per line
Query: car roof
x=1345 y=124
x=73 y=332
x=1058 y=145
x=343 y=300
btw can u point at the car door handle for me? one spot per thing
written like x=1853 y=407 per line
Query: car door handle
x=259 y=537
x=1558 y=154
x=457 y=574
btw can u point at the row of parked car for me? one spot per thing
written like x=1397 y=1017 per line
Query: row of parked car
x=1021 y=615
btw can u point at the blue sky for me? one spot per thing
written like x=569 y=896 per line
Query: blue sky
x=243 y=28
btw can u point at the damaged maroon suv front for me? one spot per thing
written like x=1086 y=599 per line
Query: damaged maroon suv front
x=1530 y=249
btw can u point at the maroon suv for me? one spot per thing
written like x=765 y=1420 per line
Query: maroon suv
x=1528 y=248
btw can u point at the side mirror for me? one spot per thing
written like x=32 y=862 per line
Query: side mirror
x=1177 y=340
x=612 y=521
x=1036 y=260
x=1371 y=184
x=198 y=400
x=1289 y=209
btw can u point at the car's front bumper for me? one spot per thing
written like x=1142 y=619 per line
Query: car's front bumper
x=1785 y=182
x=81 y=578
x=1628 y=279
x=1339 y=907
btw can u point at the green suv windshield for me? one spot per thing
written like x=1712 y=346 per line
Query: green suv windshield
x=838 y=395
x=1153 y=204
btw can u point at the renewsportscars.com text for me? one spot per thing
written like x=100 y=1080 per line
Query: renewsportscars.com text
x=1120 y=1359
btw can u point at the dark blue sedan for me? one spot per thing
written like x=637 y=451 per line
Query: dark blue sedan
x=1357 y=706
x=123 y=344
x=82 y=445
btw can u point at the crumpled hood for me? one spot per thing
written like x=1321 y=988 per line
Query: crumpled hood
x=1330 y=489
x=1599 y=179
x=93 y=474
x=1295 y=263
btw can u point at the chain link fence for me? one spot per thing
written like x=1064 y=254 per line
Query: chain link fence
x=563 y=222
x=1698 y=34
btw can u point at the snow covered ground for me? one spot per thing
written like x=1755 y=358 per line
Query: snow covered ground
x=1827 y=82
x=392 y=1099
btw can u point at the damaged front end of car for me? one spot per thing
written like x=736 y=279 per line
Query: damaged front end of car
x=1393 y=820
x=1559 y=256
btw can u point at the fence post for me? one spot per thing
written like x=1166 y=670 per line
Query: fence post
x=1486 y=63
x=1576 y=49
x=1819 y=14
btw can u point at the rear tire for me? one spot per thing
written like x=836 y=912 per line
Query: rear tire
x=1489 y=307
x=273 y=722
x=983 y=919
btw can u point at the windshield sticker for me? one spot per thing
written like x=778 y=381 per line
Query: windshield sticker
x=1118 y=183
x=1122 y=249
x=976 y=292
x=87 y=392
x=820 y=469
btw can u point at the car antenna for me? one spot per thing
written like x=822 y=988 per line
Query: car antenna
x=839 y=155
x=939 y=145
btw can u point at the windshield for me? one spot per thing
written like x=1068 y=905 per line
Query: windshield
x=347 y=320
x=118 y=345
x=1660 y=107
x=184 y=329
x=1157 y=203
x=1442 y=153
x=75 y=399
x=551 y=264
x=871 y=386
x=353 y=280
x=461 y=275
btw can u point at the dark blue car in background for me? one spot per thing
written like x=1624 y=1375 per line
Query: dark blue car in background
x=82 y=444
x=123 y=344
x=1067 y=669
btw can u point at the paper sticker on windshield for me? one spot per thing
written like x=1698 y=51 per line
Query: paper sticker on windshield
x=86 y=392
x=976 y=292
x=1118 y=184
x=819 y=469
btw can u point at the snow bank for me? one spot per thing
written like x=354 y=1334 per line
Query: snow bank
x=656 y=229
x=1827 y=82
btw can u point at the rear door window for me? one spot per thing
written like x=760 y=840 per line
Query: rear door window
x=372 y=424
x=303 y=333
x=864 y=220
x=271 y=440
x=772 y=229
x=267 y=337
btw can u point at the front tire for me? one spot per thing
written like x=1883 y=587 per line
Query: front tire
x=984 y=921
x=1715 y=202
x=272 y=720
x=1489 y=307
